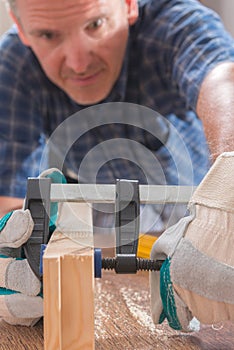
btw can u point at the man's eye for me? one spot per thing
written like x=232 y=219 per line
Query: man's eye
x=47 y=35
x=96 y=24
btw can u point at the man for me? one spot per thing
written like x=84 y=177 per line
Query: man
x=171 y=56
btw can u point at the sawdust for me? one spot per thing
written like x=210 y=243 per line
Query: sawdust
x=129 y=307
x=102 y=317
x=137 y=302
x=133 y=300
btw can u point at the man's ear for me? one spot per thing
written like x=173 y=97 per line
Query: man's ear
x=22 y=36
x=133 y=12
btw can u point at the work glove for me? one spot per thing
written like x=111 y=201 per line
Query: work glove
x=21 y=301
x=196 y=281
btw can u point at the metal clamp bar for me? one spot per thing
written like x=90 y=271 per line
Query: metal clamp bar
x=92 y=193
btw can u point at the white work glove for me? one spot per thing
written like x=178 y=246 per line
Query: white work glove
x=196 y=281
x=24 y=307
x=21 y=301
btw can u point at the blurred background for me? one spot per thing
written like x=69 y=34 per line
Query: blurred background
x=5 y=20
x=225 y=8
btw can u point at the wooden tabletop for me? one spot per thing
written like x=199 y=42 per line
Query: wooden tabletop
x=123 y=321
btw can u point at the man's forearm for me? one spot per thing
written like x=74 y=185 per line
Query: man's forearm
x=9 y=203
x=215 y=108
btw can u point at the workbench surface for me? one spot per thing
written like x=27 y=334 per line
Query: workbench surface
x=122 y=321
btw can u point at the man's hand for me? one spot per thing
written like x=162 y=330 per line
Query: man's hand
x=197 y=277
x=19 y=287
x=21 y=300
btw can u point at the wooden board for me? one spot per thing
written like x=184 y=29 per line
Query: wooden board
x=68 y=279
x=123 y=322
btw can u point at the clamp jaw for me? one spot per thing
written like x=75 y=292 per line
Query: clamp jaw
x=127 y=223
x=38 y=202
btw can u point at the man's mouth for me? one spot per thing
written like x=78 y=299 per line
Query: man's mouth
x=83 y=80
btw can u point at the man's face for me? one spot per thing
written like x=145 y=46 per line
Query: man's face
x=80 y=44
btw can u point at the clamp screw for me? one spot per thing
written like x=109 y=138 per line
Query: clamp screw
x=141 y=264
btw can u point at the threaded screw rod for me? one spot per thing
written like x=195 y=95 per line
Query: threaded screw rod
x=141 y=264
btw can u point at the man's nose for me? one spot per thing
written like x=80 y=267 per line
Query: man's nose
x=79 y=52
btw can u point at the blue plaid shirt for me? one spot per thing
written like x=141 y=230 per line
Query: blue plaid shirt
x=171 y=48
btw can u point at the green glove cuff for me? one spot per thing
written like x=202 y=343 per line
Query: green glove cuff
x=167 y=296
x=4 y=291
x=4 y=220
x=7 y=257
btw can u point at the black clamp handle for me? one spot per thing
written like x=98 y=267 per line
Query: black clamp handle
x=38 y=202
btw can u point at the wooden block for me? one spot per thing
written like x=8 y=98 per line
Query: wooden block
x=68 y=279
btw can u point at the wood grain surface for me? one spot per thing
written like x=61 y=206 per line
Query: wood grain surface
x=68 y=294
x=123 y=322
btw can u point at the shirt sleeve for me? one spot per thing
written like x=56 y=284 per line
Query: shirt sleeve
x=21 y=136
